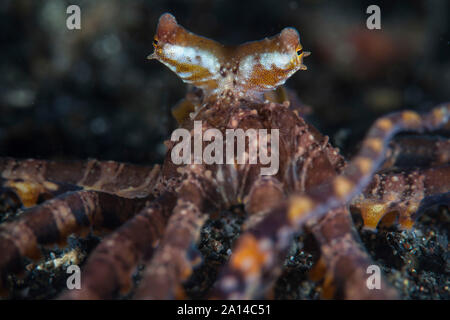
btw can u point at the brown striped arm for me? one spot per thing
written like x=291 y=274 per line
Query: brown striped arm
x=53 y=221
x=401 y=196
x=172 y=263
x=264 y=195
x=109 y=268
x=261 y=249
x=41 y=176
x=344 y=262
x=30 y=193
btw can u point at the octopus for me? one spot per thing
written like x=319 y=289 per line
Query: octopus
x=152 y=215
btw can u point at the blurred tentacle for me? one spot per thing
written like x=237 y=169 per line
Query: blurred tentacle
x=111 y=264
x=172 y=264
x=417 y=151
x=404 y=193
x=31 y=193
x=123 y=179
x=344 y=262
x=182 y=110
x=286 y=96
x=51 y=223
x=265 y=194
x=264 y=246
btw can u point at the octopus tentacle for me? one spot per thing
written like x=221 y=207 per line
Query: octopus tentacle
x=270 y=239
x=56 y=219
x=404 y=193
x=345 y=260
x=171 y=263
x=265 y=194
x=112 y=262
x=123 y=179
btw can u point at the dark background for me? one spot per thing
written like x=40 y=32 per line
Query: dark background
x=76 y=94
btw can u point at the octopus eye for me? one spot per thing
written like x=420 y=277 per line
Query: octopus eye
x=299 y=51
x=155 y=42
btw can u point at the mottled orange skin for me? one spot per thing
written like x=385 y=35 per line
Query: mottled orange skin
x=228 y=71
